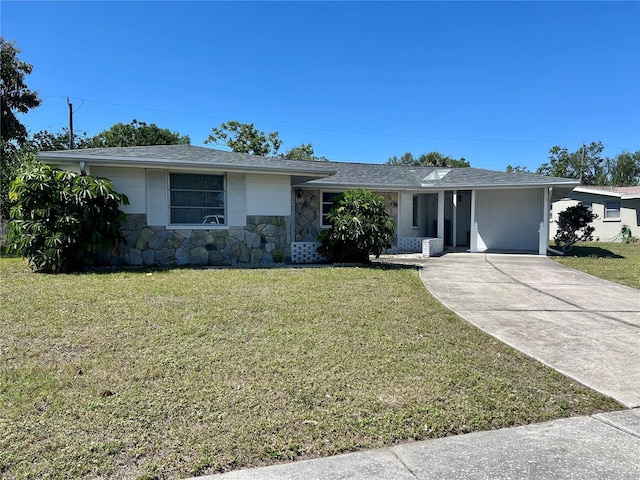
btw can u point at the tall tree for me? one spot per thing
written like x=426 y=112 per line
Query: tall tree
x=136 y=134
x=517 y=169
x=245 y=138
x=586 y=164
x=624 y=169
x=15 y=97
x=45 y=140
x=303 y=152
x=431 y=159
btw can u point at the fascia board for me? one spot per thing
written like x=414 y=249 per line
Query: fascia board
x=606 y=193
x=368 y=186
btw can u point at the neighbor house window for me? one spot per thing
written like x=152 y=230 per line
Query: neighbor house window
x=327 y=203
x=416 y=211
x=612 y=211
x=197 y=199
x=589 y=205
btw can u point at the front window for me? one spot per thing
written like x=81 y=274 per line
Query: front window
x=327 y=203
x=612 y=211
x=416 y=211
x=197 y=199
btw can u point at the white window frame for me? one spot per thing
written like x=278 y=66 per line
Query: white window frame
x=323 y=203
x=208 y=221
x=612 y=214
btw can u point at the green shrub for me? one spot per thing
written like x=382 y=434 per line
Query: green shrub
x=359 y=227
x=574 y=225
x=60 y=220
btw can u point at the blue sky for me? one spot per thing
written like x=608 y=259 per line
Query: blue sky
x=495 y=82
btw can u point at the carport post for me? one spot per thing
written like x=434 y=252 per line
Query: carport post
x=543 y=238
x=473 y=243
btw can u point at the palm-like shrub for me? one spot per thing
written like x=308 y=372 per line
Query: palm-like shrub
x=359 y=227
x=60 y=220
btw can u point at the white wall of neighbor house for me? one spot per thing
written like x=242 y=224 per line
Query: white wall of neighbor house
x=268 y=194
x=606 y=229
x=129 y=181
x=509 y=219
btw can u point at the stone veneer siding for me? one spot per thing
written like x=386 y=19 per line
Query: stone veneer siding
x=264 y=240
x=307 y=212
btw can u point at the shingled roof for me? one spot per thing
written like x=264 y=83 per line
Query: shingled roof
x=406 y=177
x=319 y=174
x=167 y=156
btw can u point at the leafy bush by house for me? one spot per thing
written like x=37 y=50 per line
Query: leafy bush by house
x=60 y=220
x=359 y=227
x=574 y=225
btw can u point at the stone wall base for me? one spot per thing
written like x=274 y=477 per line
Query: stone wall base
x=264 y=240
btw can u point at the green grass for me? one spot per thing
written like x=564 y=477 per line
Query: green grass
x=616 y=262
x=174 y=373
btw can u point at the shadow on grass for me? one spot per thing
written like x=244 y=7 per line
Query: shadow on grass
x=598 y=252
x=148 y=269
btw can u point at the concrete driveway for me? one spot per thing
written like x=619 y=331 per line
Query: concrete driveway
x=585 y=327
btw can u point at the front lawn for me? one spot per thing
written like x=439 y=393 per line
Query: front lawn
x=616 y=262
x=174 y=373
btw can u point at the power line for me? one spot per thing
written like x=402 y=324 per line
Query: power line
x=328 y=130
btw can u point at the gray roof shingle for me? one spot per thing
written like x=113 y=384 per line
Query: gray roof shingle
x=182 y=155
x=409 y=177
x=325 y=174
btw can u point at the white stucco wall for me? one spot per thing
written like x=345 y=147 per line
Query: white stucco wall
x=268 y=194
x=129 y=181
x=509 y=219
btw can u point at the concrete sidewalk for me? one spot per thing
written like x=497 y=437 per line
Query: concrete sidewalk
x=603 y=446
x=585 y=327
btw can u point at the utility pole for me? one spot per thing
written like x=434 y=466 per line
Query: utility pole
x=70 y=124
x=582 y=162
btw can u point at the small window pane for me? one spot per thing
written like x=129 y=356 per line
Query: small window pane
x=185 y=181
x=327 y=204
x=612 y=210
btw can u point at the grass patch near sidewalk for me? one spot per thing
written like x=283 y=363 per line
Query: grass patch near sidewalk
x=616 y=262
x=175 y=373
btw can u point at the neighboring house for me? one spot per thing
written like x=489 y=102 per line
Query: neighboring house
x=614 y=206
x=195 y=205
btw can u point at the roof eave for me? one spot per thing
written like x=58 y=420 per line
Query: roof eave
x=114 y=161
x=608 y=193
